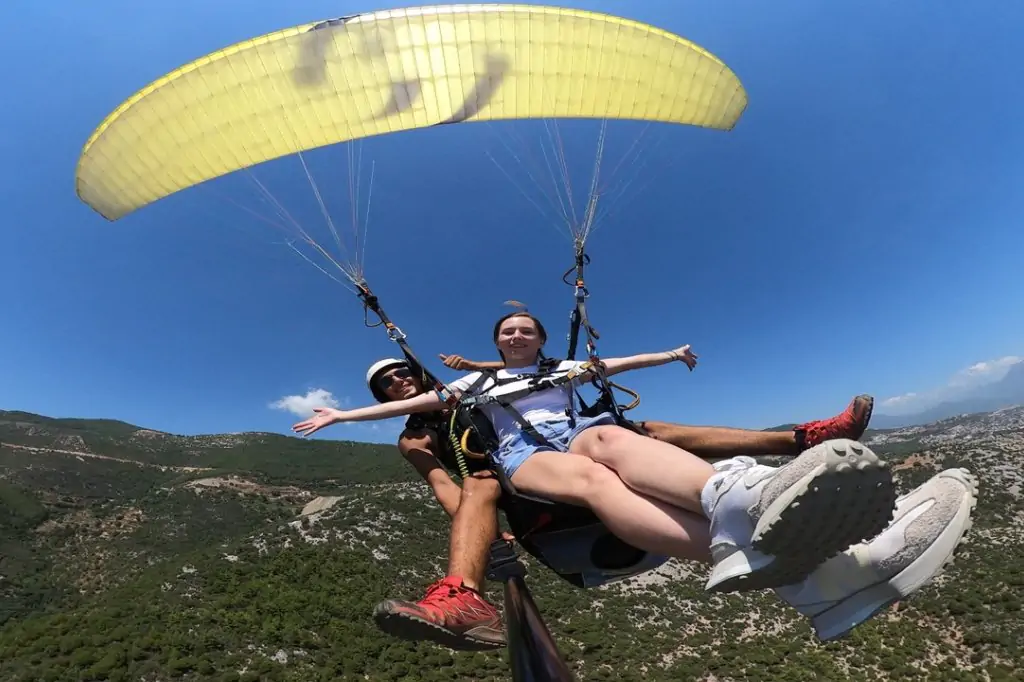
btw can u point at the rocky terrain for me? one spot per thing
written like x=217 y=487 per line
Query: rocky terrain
x=129 y=554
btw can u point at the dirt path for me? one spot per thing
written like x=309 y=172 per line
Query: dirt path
x=76 y=453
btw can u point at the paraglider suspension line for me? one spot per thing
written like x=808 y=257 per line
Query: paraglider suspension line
x=372 y=304
x=578 y=319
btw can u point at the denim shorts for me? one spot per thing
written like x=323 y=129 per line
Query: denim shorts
x=560 y=434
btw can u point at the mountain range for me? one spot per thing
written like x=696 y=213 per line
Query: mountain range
x=1006 y=392
x=132 y=554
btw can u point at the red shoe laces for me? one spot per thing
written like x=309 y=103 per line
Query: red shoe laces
x=825 y=426
x=439 y=594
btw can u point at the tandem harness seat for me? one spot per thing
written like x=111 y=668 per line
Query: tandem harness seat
x=570 y=540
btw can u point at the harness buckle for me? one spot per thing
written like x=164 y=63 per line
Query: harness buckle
x=504 y=563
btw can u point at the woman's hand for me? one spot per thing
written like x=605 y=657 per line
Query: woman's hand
x=324 y=416
x=685 y=355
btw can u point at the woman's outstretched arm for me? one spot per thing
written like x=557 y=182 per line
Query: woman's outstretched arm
x=682 y=354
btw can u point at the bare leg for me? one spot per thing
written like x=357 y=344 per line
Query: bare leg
x=651 y=467
x=474 y=527
x=644 y=522
x=715 y=442
x=473 y=509
x=453 y=612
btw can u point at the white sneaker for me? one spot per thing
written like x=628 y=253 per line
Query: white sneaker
x=773 y=526
x=851 y=588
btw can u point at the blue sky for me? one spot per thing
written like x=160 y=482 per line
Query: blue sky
x=859 y=230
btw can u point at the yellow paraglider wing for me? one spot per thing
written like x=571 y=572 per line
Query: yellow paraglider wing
x=388 y=71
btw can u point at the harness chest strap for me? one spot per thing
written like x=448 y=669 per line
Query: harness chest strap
x=540 y=382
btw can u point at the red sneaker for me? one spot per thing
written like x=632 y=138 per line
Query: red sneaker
x=451 y=615
x=851 y=423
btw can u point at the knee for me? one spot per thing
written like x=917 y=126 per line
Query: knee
x=593 y=480
x=481 y=489
x=412 y=443
x=606 y=440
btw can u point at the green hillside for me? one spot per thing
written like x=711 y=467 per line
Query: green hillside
x=128 y=554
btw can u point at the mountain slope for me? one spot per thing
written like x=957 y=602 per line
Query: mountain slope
x=168 y=559
x=1007 y=392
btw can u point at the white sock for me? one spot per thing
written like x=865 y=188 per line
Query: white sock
x=723 y=470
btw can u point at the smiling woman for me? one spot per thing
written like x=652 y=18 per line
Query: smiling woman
x=816 y=530
x=650 y=494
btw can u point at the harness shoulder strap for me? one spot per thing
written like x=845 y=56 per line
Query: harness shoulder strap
x=542 y=380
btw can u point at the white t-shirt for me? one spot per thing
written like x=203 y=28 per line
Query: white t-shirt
x=541 y=406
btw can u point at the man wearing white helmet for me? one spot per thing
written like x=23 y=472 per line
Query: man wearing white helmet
x=462 y=618
x=424 y=441
x=454 y=612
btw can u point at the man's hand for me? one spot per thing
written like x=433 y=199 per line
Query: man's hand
x=323 y=416
x=508 y=537
x=459 y=363
x=685 y=355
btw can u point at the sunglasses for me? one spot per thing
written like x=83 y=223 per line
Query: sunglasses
x=385 y=381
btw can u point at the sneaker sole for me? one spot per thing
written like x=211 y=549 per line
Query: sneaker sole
x=413 y=629
x=848 y=498
x=840 y=619
x=865 y=417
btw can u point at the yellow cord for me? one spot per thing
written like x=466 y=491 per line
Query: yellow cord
x=453 y=440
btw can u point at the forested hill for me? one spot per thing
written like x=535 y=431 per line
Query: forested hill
x=130 y=554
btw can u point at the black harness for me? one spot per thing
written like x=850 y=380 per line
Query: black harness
x=449 y=438
x=469 y=414
x=530 y=518
x=542 y=380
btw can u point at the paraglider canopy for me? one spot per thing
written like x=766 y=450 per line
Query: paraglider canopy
x=381 y=72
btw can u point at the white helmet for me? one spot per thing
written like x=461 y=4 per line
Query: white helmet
x=378 y=368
